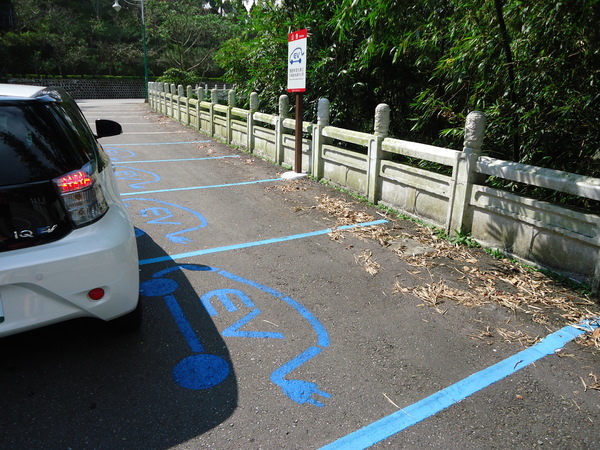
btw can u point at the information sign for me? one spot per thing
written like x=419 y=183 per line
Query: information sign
x=297 y=61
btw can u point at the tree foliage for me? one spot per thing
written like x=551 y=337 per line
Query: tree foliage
x=532 y=67
x=70 y=37
x=190 y=33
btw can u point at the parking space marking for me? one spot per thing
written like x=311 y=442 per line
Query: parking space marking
x=203 y=187
x=163 y=214
x=415 y=413
x=256 y=243
x=175 y=160
x=139 y=177
x=202 y=370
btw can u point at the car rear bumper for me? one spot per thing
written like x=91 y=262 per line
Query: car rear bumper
x=47 y=284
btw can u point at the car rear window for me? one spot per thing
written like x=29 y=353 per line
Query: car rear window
x=35 y=145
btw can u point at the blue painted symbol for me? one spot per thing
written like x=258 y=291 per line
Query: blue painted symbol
x=198 y=371
x=140 y=177
x=234 y=330
x=164 y=213
x=187 y=374
x=118 y=154
x=296 y=55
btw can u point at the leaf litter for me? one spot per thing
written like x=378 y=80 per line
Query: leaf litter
x=507 y=283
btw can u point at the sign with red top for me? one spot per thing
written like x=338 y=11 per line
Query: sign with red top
x=297 y=61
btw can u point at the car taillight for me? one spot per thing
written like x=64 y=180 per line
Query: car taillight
x=81 y=195
x=74 y=181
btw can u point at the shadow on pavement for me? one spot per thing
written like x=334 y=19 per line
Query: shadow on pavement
x=81 y=385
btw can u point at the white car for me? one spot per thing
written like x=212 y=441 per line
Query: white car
x=67 y=244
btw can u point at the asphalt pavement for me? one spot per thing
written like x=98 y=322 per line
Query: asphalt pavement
x=286 y=314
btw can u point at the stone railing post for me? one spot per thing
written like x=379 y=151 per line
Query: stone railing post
x=323 y=108
x=180 y=96
x=250 y=122
x=464 y=174
x=189 y=93
x=172 y=91
x=150 y=99
x=380 y=132
x=162 y=98
x=200 y=94
x=155 y=95
x=214 y=99
x=284 y=107
x=228 y=118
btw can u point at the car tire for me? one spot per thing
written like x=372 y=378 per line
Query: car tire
x=129 y=322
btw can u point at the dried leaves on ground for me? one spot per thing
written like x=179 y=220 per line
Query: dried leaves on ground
x=346 y=214
x=505 y=282
x=591 y=383
x=365 y=259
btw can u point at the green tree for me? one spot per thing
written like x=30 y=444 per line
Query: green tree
x=532 y=67
x=190 y=34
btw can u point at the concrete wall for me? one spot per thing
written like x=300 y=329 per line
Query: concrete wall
x=547 y=235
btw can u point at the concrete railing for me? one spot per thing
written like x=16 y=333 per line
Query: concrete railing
x=538 y=232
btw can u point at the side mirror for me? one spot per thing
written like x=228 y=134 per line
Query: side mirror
x=106 y=128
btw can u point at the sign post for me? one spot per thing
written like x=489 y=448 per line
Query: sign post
x=297 y=84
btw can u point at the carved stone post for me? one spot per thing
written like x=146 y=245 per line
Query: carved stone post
x=200 y=95
x=284 y=107
x=250 y=122
x=214 y=99
x=323 y=108
x=464 y=174
x=228 y=118
x=381 y=130
x=188 y=96
x=172 y=92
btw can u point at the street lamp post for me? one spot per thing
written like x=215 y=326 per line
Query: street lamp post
x=117 y=8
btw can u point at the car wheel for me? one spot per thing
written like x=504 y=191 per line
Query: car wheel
x=129 y=322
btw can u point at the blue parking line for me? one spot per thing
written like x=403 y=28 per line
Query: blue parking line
x=176 y=160
x=203 y=187
x=415 y=413
x=157 y=143
x=256 y=243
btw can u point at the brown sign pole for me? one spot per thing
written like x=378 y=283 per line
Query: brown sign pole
x=298 y=142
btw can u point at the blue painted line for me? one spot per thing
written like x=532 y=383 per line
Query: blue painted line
x=203 y=187
x=234 y=330
x=134 y=175
x=175 y=160
x=183 y=324
x=415 y=413
x=256 y=243
x=157 y=143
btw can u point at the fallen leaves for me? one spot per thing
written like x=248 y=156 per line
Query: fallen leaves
x=590 y=339
x=292 y=186
x=483 y=335
x=342 y=210
x=505 y=282
x=365 y=259
x=518 y=336
x=595 y=384
x=435 y=294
